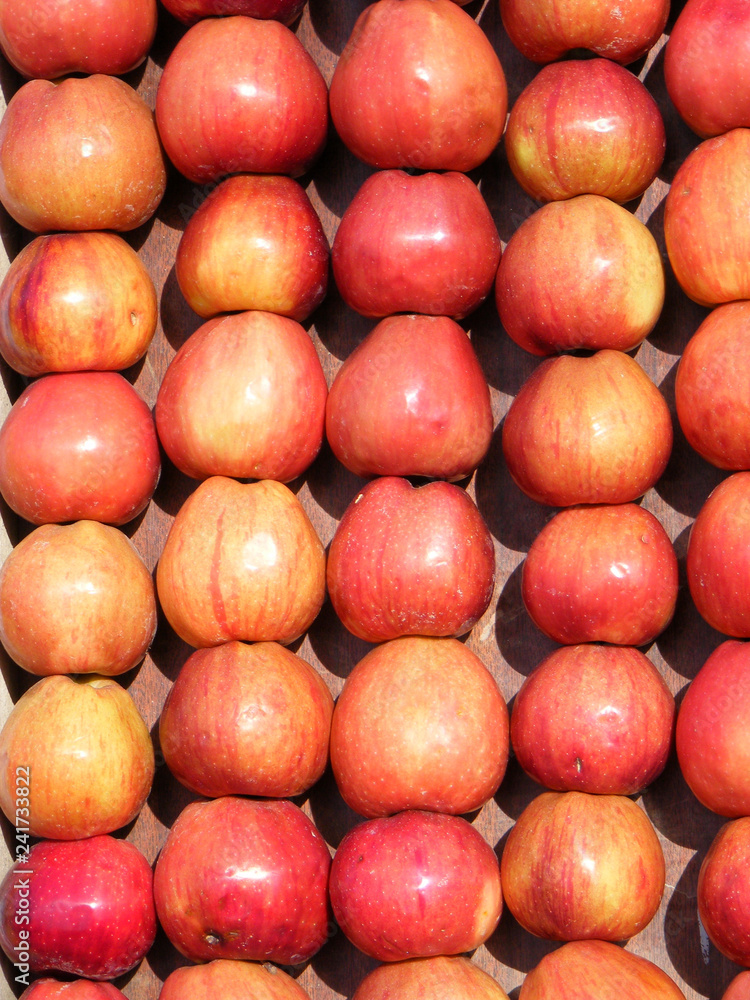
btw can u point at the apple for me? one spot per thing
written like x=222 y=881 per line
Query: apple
x=442 y=977
x=711 y=734
x=705 y=220
x=241 y=94
x=419 y=84
x=707 y=66
x=86 y=752
x=415 y=885
x=241 y=561
x=420 y=724
x=597 y=970
x=77 y=989
x=244 y=878
x=231 y=980
x=190 y=11
x=256 y=242
x=80 y=154
x=593 y=718
x=81 y=907
x=578 y=866
x=76 y=599
x=710 y=387
x=411 y=400
x=718 y=556
x=410 y=560
x=47 y=40
x=739 y=988
x=544 y=30
x=247 y=720
x=423 y=243
x=608 y=294
x=606 y=573
x=76 y=302
x=79 y=446
x=585 y=126
x=723 y=896
x=587 y=430
x=244 y=396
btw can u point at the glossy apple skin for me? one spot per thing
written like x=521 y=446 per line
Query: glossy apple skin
x=241 y=561
x=707 y=66
x=80 y=154
x=46 y=40
x=420 y=724
x=544 y=30
x=245 y=397
x=230 y=980
x=415 y=885
x=258 y=891
x=442 y=977
x=705 y=220
x=585 y=127
x=597 y=970
x=578 y=866
x=587 y=430
x=410 y=560
x=411 y=400
x=78 y=989
x=190 y=11
x=723 y=898
x=739 y=988
x=710 y=387
x=718 y=557
x=91 y=907
x=79 y=446
x=418 y=84
x=601 y=574
x=256 y=242
x=609 y=294
x=76 y=599
x=241 y=94
x=711 y=734
x=593 y=718
x=424 y=244
x=89 y=752
x=247 y=720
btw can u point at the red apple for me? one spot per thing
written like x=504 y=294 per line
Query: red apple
x=241 y=561
x=80 y=154
x=411 y=400
x=79 y=446
x=190 y=11
x=587 y=430
x=247 y=720
x=707 y=65
x=420 y=724
x=76 y=302
x=86 y=752
x=415 y=885
x=705 y=220
x=608 y=293
x=424 y=243
x=244 y=878
x=46 y=40
x=256 y=242
x=711 y=387
x=241 y=94
x=76 y=599
x=78 y=989
x=578 y=866
x=585 y=126
x=544 y=30
x=593 y=718
x=724 y=891
x=82 y=907
x=244 y=396
x=231 y=980
x=739 y=988
x=606 y=573
x=597 y=970
x=442 y=977
x=718 y=557
x=711 y=736
x=410 y=561
x=418 y=84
